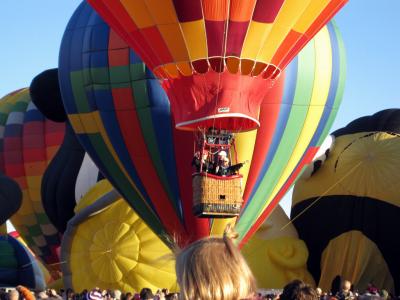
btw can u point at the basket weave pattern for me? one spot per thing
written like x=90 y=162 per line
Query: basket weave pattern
x=216 y=197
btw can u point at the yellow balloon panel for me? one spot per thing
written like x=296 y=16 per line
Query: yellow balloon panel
x=276 y=255
x=112 y=248
x=370 y=266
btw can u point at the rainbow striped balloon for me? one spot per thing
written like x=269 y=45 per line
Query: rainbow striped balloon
x=122 y=117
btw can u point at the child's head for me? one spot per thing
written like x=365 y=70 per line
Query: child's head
x=213 y=268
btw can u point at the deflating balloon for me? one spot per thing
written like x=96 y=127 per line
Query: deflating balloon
x=122 y=117
x=18 y=266
x=351 y=228
x=107 y=245
x=216 y=58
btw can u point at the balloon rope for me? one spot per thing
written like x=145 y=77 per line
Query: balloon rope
x=326 y=192
x=45 y=265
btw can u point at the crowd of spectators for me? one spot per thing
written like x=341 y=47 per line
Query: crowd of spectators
x=295 y=290
x=22 y=293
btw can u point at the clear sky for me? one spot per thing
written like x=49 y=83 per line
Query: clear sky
x=31 y=32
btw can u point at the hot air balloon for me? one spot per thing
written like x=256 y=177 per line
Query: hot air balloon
x=275 y=254
x=32 y=146
x=122 y=117
x=71 y=172
x=18 y=266
x=30 y=141
x=347 y=211
x=10 y=198
x=109 y=246
x=104 y=226
x=216 y=57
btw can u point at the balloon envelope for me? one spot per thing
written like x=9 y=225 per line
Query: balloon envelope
x=29 y=143
x=109 y=246
x=350 y=228
x=122 y=117
x=10 y=198
x=216 y=57
x=18 y=266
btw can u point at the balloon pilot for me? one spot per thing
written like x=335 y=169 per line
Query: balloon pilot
x=215 y=160
x=217 y=190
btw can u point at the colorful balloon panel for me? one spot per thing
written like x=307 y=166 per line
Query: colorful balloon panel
x=30 y=141
x=291 y=136
x=71 y=172
x=355 y=205
x=216 y=55
x=18 y=266
x=65 y=180
x=122 y=117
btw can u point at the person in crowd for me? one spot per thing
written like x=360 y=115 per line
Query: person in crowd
x=165 y=292
x=129 y=296
x=298 y=290
x=95 y=294
x=82 y=295
x=345 y=292
x=69 y=294
x=318 y=290
x=42 y=295
x=13 y=295
x=372 y=289
x=146 y=294
x=202 y=274
x=25 y=293
x=3 y=294
x=115 y=294
x=384 y=294
x=136 y=296
x=336 y=284
x=172 y=296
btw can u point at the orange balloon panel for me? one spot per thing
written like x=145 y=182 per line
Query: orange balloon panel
x=216 y=55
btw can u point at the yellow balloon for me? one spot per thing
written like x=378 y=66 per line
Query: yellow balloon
x=276 y=255
x=107 y=245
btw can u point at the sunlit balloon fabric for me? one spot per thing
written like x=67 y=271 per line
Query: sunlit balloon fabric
x=275 y=254
x=122 y=117
x=29 y=141
x=352 y=227
x=215 y=55
x=109 y=246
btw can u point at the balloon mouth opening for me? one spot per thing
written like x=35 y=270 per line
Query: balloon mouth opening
x=218 y=64
x=234 y=122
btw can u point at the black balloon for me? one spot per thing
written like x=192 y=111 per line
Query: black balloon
x=58 y=183
x=46 y=95
x=10 y=198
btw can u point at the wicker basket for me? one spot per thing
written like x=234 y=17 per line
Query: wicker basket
x=215 y=196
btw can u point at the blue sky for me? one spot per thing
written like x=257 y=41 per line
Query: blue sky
x=31 y=32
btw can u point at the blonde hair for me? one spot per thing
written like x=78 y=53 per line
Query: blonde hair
x=214 y=269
